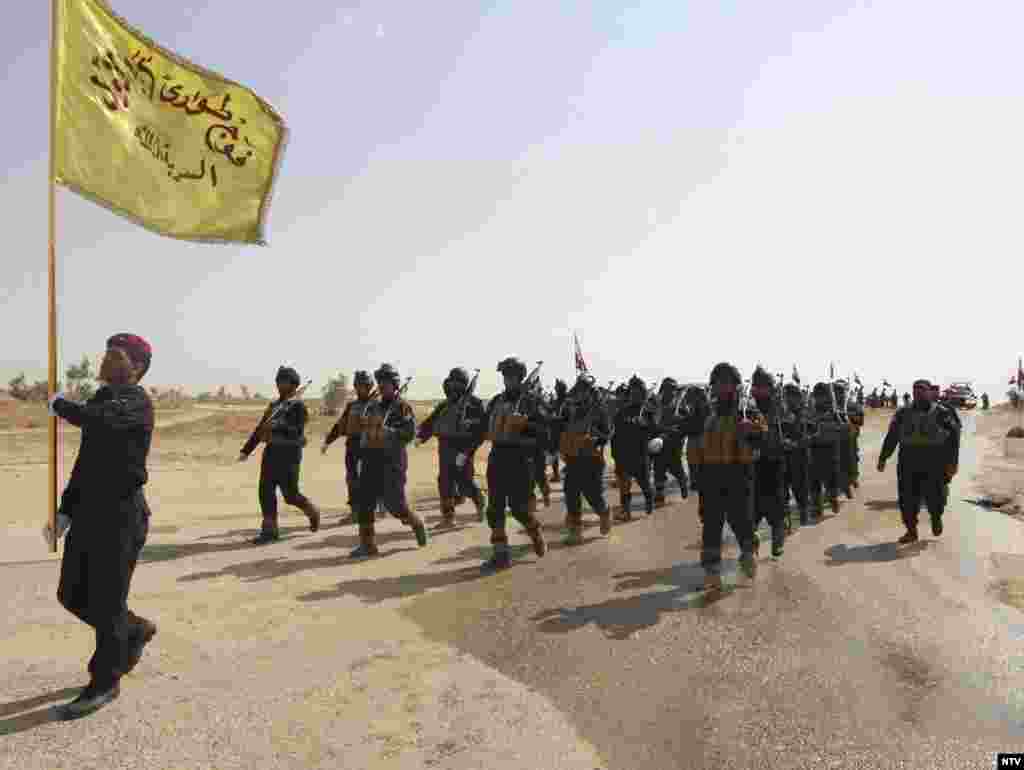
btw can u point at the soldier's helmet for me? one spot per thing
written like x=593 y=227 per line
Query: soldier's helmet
x=288 y=375
x=842 y=385
x=791 y=389
x=513 y=365
x=362 y=377
x=762 y=377
x=725 y=374
x=458 y=376
x=636 y=383
x=821 y=389
x=560 y=387
x=387 y=373
x=668 y=385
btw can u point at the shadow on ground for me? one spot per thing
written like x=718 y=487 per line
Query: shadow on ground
x=621 y=618
x=882 y=505
x=878 y=552
x=381 y=589
x=20 y=722
x=268 y=569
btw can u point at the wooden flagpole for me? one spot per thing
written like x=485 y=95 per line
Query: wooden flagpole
x=52 y=268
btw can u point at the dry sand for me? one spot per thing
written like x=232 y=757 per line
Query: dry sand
x=287 y=655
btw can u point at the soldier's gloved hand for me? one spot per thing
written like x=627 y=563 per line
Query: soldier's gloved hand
x=950 y=472
x=881 y=465
x=460 y=460
x=54 y=398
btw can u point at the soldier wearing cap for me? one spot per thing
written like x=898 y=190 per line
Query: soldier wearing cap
x=458 y=423
x=725 y=451
x=349 y=425
x=584 y=430
x=283 y=429
x=515 y=421
x=698 y=411
x=388 y=426
x=106 y=517
x=796 y=430
x=826 y=432
x=671 y=420
x=847 y=462
x=561 y=394
x=636 y=425
x=769 y=468
x=929 y=444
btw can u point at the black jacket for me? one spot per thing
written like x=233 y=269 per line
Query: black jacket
x=117 y=429
x=287 y=430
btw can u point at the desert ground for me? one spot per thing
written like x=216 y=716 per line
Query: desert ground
x=602 y=656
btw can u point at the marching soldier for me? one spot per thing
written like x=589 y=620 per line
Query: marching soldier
x=770 y=466
x=388 y=426
x=283 y=428
x=698 y=411
x=105 y=516
x=855 y=423
x=726 y=451
x=539 y=466
x=635 y=427
x=458 y=423
x=826 y=432
x=350 y=426
x=954 y=419
x=584 y=429
x=561 y=393
x=929 y=444
x=796 y=430
x=515 y=420
x=846 y=460
x=670 y=458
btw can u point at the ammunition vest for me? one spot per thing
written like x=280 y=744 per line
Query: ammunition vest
x=372 y=424
x=923 y=429
x=720 y=443
x=504 y=425
x=446 y=423
x=354 y=422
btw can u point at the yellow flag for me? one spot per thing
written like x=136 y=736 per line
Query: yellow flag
x=170 y=145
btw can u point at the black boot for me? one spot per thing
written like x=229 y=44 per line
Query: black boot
x=91 y=699
x=909 y=537
x=501 y=559
x=649 y=502
x=936 y=524
x=778 y=539
x=266 y=536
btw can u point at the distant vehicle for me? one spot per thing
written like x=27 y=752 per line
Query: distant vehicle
x=960 y=395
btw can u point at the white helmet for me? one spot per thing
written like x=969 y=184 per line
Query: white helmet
x=654 y=445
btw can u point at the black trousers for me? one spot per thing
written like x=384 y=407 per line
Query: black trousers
x=100 y=553
x=453 y=481
x=539 y=476
x=769 y=503
x=509 y=484
x=728 y=495
x=279 y=471
x=919 y=482
x=352 y=472
x=823 y=477
x=584 y=477
x=796 y=480
x=669 y=460
x=382 y=481
x=634 y=468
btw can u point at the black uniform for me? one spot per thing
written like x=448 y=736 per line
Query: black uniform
x=459 y=426
x=349 y=425
x=770 y=473
x=929 y=444
x=671 y=421
x=515 y=423
x=279 y=467
x=826 y=433
x=698 y=411
x=635 y=425
x=796 y=430
x=561 y=393
x=109 y=524
x=584 y=431
x=726 y=451
x=388 y=427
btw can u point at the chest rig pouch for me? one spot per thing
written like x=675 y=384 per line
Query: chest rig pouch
x=923 y=429
x=506 y=426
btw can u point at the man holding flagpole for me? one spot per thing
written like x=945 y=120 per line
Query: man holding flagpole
x=106 y=512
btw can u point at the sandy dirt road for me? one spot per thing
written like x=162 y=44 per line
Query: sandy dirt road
x=848 y=652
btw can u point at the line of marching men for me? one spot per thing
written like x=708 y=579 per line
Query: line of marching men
x=750 y=450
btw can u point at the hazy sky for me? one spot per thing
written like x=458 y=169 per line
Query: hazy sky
x=785 y=182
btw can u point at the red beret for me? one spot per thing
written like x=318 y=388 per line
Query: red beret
x=138 y=350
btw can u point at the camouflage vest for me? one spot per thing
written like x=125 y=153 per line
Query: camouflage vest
x=504 y=425
x=720 y=444
x=356 y=412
